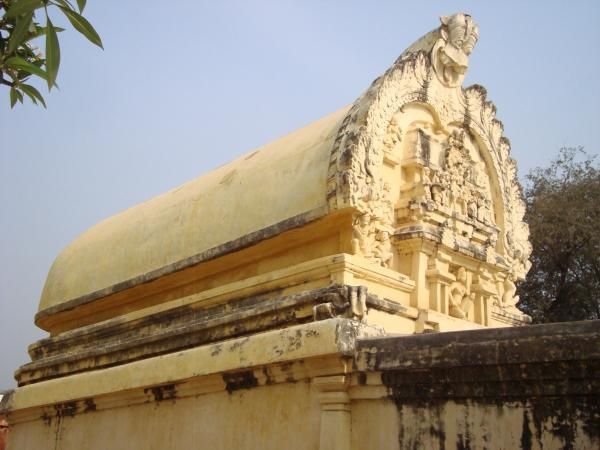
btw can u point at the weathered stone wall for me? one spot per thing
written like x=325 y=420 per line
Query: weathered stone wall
x=532 y=387
x=271 y=417
x=549 y=423
x=330 y=385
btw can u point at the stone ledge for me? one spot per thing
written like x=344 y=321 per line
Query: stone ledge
x=332 y=338
x=535 y=344
x=572 y=378
x=119 y=341
x=270 y=300
x=510 y=318
x=553 y=360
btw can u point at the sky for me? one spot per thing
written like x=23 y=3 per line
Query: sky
x=185 y=86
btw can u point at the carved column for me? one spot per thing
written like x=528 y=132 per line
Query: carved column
x=438 y=290
x=484 y=291
x=335 y=433
x=420 y=251
x=419 y=266
x=439 y=278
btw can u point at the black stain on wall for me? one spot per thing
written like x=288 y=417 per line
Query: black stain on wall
x=67 y=409
x=362 y=378
x=526 y=436
x=89 y=405
x=239 y=380
x=163 y=392
x=463 y=442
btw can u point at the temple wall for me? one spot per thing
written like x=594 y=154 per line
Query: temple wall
x=534 y=387
x=264 y=417
x=288 y=416
x=549 y=423
x=333 y=385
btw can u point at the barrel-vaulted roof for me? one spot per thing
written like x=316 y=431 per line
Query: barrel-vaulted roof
x=269 y=185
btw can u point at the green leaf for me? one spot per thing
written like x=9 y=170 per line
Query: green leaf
x=41 y=31
x=16 y=62
x=81 y=5
x=17 y=36
x=13 y=97
x=23 y=7
x=64 y=3
x=19 y=96
x=33 y=93
x=33 y=99
x=52 y=53
x=81 y=24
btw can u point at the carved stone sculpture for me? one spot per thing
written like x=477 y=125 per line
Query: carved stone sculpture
x=371 y=239
x=393 y=135
x=509 y=299
x=439 y=193
x=459 y=300
x=382 y=250
x=347 y=301
x=420 y=157
x=426 y=182
x=363 y=235
x=450 y=54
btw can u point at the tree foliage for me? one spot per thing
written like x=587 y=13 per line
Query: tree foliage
x=20 y=59
x=563 y=212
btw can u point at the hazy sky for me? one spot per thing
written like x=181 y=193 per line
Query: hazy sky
x=185 y=86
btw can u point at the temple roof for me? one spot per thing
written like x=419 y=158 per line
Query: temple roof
x=415 y=157
x=271 y=184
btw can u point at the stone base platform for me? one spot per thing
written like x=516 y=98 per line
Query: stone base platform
x=331 y=384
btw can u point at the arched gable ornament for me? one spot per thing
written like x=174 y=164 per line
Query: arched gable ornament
x=429 y=73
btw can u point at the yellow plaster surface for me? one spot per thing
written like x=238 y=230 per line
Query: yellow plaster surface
x=260 y=418
x=278 y=181
x=300 y=342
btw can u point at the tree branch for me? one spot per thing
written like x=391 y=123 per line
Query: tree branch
x=6 y=82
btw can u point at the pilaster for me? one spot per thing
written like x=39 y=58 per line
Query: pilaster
x=334 y=401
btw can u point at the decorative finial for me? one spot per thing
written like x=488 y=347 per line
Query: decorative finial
x=450 y=54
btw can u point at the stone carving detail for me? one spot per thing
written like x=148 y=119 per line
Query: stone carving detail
x=355 y=178
x=450 y=54
x=423 y=145
x=349 y=301
x=459 y=299
x=365 y=133
x=509 y=299
x=371 y=229
x=362 y=235
x=393 y=135
x=436 y=187
x=382 y=250
x=465 y=182
x=515 y=236
x=461 y=185
x=477 y=196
